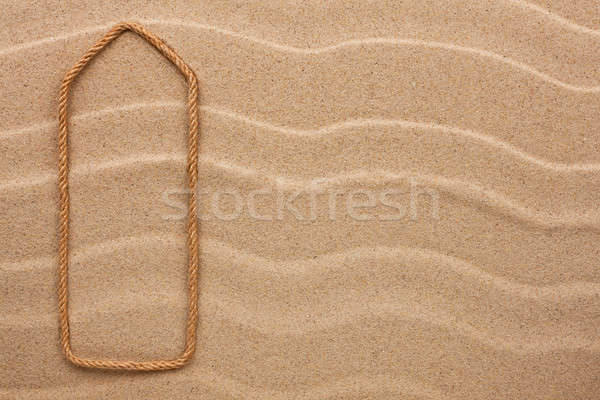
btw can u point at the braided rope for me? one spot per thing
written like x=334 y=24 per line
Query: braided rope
x=63 y=185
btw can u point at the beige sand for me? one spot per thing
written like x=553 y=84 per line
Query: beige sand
x=494 y=106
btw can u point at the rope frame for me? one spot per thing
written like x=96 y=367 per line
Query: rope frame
x=63 y=186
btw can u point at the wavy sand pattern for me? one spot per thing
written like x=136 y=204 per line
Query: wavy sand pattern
x=491 y=106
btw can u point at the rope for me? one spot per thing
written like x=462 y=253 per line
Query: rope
x=63 y=185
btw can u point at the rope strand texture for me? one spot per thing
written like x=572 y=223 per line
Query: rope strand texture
x=63 y=185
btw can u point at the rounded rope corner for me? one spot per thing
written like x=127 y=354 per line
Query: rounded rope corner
x=63 y=185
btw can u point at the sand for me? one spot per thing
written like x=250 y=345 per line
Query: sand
x=487 y=288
